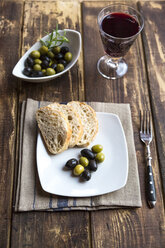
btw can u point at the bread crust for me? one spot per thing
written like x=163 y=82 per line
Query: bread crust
x=50 y=116
x=74 y=121
x=81 y=105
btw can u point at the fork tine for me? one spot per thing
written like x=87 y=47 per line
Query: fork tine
x=141 y=121
x=147 y=121
x=150 y=124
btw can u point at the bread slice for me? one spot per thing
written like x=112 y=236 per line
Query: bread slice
x=89 y=122
x=74 y=121
x=54 y=128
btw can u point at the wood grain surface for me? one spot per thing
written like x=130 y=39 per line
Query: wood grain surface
x=80 y=1
x=154 y=47
x=24 y=22
x=10 y=29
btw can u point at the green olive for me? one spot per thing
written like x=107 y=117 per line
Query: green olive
x=60 y=67
x=51 y=62
x=50 y=54
x=100 y=157
x=50 y=71
x=44 y=50
x=78 y=170
x=56 y=49
x=35 y=54
x=44 y=72
x=84 y=161
x=37 y=67
x=97 y=148
x=68 y=57
x=37 y=61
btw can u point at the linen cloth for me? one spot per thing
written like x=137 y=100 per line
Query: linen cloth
x=29 y=194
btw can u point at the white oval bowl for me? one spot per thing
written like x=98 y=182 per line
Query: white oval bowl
x=74 y=46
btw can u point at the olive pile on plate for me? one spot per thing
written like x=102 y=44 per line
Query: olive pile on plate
x=47 y=62
x=88 y=162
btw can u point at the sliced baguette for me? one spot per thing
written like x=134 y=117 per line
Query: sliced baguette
x=89 y=122
x=54 y=128
x=74 y=121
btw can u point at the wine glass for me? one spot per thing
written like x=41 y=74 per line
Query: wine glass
x=119 y=26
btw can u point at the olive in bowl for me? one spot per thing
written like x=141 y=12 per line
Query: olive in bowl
x=74 y=46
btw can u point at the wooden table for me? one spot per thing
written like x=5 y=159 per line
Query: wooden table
x=21 y=24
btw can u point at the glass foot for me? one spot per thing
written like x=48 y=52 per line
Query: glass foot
x=110 y=69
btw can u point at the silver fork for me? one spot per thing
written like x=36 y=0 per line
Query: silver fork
x=146 y=137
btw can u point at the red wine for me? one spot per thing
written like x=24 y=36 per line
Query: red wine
x=120 y=25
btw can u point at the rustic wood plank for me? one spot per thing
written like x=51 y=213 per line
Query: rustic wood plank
x=10 y=27
x=74 y=0
x=133 y=227
x=64 y=229
x=154 y=46
x=57 y=229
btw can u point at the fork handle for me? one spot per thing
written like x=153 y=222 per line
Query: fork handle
x=150 y=185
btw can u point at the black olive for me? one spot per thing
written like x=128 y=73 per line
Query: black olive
x=40 y=74
x=92 y=165
x=45 y=64
x=26 y=64
x=64 y=49
x=27 y=71
x=36 y=74
x=54 y=66
x=86 y=175
x=29 y=62
x=71 y=163
x=44 y=57
x=62 y=61
x=59 y=56
x=87 y=153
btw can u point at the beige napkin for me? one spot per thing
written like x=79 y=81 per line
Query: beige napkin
x=29 y=194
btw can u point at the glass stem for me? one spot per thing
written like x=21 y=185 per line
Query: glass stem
x=114 y=62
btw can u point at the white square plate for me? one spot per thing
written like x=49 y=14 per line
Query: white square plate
x=111 y=175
